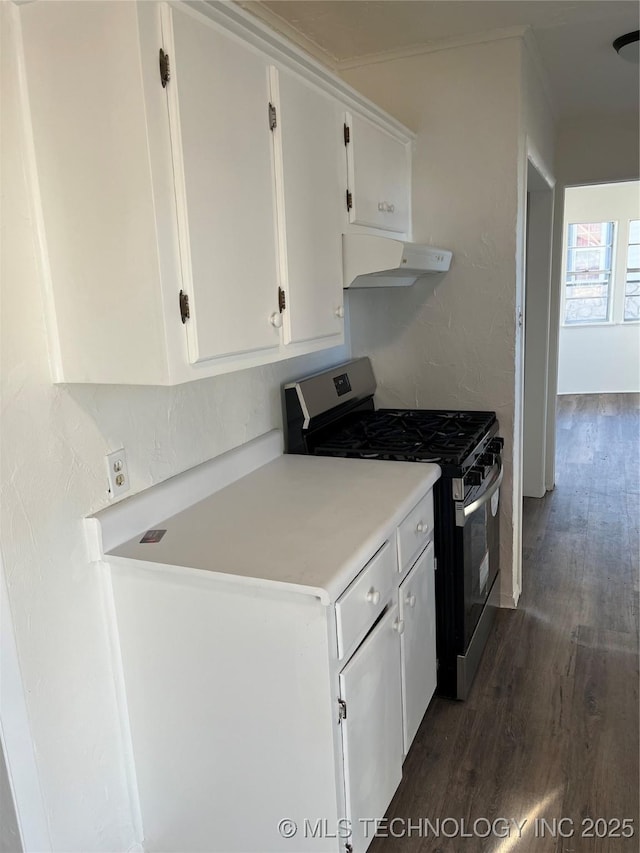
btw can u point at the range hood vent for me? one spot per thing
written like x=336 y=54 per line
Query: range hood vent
x=369 y=261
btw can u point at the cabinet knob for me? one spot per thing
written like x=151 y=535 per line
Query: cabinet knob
x=422 y=527
x=410 y=600
x=276 y=319
x=339 y=312
x=398 y=626
x=373 y=596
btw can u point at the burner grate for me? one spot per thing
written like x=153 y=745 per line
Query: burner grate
x=413 y=434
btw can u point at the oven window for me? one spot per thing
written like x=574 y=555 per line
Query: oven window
x=480 y=548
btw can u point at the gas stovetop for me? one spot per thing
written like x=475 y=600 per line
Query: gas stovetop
x=443 y=436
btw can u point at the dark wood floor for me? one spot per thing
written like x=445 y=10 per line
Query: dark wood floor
x=550 y=729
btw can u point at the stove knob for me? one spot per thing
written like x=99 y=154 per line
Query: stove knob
x=488 y=460
x=496 y=444
x=473 y=477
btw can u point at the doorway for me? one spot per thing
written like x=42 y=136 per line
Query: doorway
x=599 y=341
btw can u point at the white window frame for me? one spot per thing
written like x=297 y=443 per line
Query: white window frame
x=628 y=270
x=611 y=318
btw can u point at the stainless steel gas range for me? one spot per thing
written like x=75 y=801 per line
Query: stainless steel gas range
x=333 y=414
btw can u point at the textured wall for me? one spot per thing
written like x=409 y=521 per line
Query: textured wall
x=450 y=341
x=54 y=441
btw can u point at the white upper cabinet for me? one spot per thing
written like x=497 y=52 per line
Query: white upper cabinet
x=218 y=96
x=93 y=192
x=379 y=176
x=189 y=183
x=310 y=163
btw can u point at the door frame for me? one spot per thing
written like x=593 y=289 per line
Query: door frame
x=538 y=429
x=531 y=169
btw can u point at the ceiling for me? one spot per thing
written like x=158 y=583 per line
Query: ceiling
x=573 y=39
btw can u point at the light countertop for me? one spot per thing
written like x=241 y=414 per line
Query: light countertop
x=303 y=523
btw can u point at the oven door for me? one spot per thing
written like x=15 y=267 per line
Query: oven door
x=478 y=535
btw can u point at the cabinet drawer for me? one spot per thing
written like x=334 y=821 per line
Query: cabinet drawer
x=364 y=600
x=414 y=532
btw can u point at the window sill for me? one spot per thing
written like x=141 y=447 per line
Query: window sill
x=607 y=323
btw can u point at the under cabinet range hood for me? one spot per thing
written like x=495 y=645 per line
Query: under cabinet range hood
x=369 y=261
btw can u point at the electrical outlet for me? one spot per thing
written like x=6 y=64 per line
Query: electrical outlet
x=117 y=472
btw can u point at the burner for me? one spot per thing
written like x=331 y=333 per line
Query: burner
x=413 y=434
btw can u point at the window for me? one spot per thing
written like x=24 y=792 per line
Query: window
x=589 y=266
x=632 y=283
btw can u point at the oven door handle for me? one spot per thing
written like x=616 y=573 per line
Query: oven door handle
x=464 y=511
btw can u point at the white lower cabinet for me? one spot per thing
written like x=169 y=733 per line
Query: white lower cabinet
x=372 y=728
x=272 y=716
x=418 y=641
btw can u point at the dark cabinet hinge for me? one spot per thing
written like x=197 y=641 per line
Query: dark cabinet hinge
x=273 y=117
x=347 y=134
x=282 y=300
x=342 y=710
x=184 y=307
x=349 y=200
x=165 y=71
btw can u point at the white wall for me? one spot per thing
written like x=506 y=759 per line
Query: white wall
x=53 y=474
x=602 y=358
x=598 y=148
x=31 y=832
x=9 y=833
x=599 y=360
x=538 y=121
x=452 y=341
x=538 y=130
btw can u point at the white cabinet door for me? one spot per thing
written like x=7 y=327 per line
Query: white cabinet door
x=379 y=177
x=222 y=150
x=418 y=641
x=95 y=198
x=372 y=730
x=310 y=166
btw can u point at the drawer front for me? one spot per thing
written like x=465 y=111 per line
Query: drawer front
x=364 y=600
x=414 y=532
